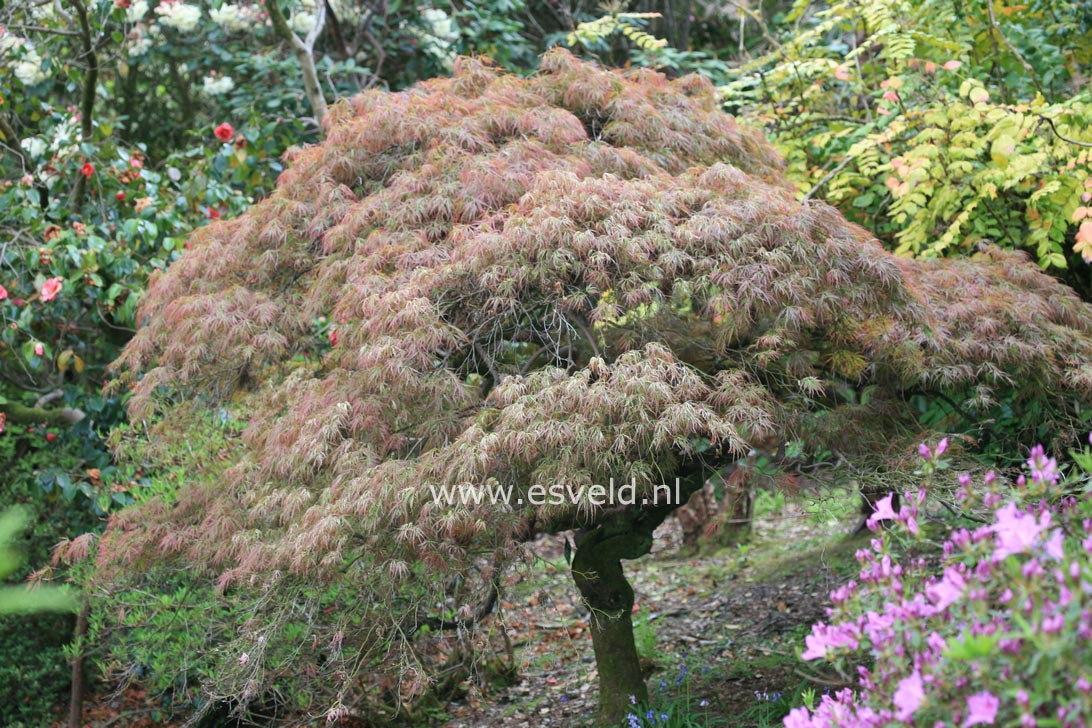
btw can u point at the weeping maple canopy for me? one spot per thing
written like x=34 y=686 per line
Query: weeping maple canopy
x=580 y=276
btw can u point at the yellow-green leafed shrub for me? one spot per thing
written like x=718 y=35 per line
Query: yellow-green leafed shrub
x=938 y=125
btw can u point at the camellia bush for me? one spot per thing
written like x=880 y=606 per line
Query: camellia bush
x=492 y=282
x=997 y=633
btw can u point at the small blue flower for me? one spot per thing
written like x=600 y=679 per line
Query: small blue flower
x=663 y=716
x=651 y=715
x=663 y=684
x=633 y=700
x=683 y=671
x=564 y=698
x=703 y=703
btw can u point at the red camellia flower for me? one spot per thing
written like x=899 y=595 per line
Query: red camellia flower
x=87 y=169
x=50 y=436
x=120 y=197
x=212 y=213
x=3 y=293
x=224 y=132
x=51 y=288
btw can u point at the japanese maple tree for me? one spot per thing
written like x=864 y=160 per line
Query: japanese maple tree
x=571 y=278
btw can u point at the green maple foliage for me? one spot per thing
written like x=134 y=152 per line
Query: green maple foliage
x=494 y=281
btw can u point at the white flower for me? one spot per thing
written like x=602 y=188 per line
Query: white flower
x=230 y=17
x=214 y=86
x=33 y=146
x=302 y=22
x=29 y=70
x=178 y=15
x=136 y=12
x=139 y=44
x=26 y=64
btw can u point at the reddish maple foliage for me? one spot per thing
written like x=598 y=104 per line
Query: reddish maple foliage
x=580 y=276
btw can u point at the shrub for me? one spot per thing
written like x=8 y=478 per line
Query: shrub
x=936 y=124
x=996 y=633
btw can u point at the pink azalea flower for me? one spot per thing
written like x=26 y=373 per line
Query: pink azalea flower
x=909 y=696
x=1054 y=545
x=3 y=293
x=51 y=288
x=1042 y=468
x=798 y=718
x=981 y=709
x=1016 y=531
x=826 y=636
x=948 y=590
x=883 y=512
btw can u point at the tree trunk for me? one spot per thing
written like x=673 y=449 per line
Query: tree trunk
x=605 y=590
x=597 y=572
x=737 y=510
x=75 y=701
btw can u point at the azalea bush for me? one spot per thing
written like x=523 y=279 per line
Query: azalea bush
x=993 y=630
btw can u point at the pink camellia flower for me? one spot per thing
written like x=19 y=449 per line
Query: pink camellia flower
x=909 y=696
x=87 y=169
x=135 y=162
x=39 y=350
x=891 y=95
x=224 y=132
x=981 y=709
x=51 y=288
x=952 y=65
x=3 y=293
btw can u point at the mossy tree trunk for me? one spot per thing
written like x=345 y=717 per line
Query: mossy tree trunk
x=737 y=510
x=597 y=571
x=602 y=583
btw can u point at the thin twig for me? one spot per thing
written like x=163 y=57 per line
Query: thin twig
x=829 y=176
x=1054 y=129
